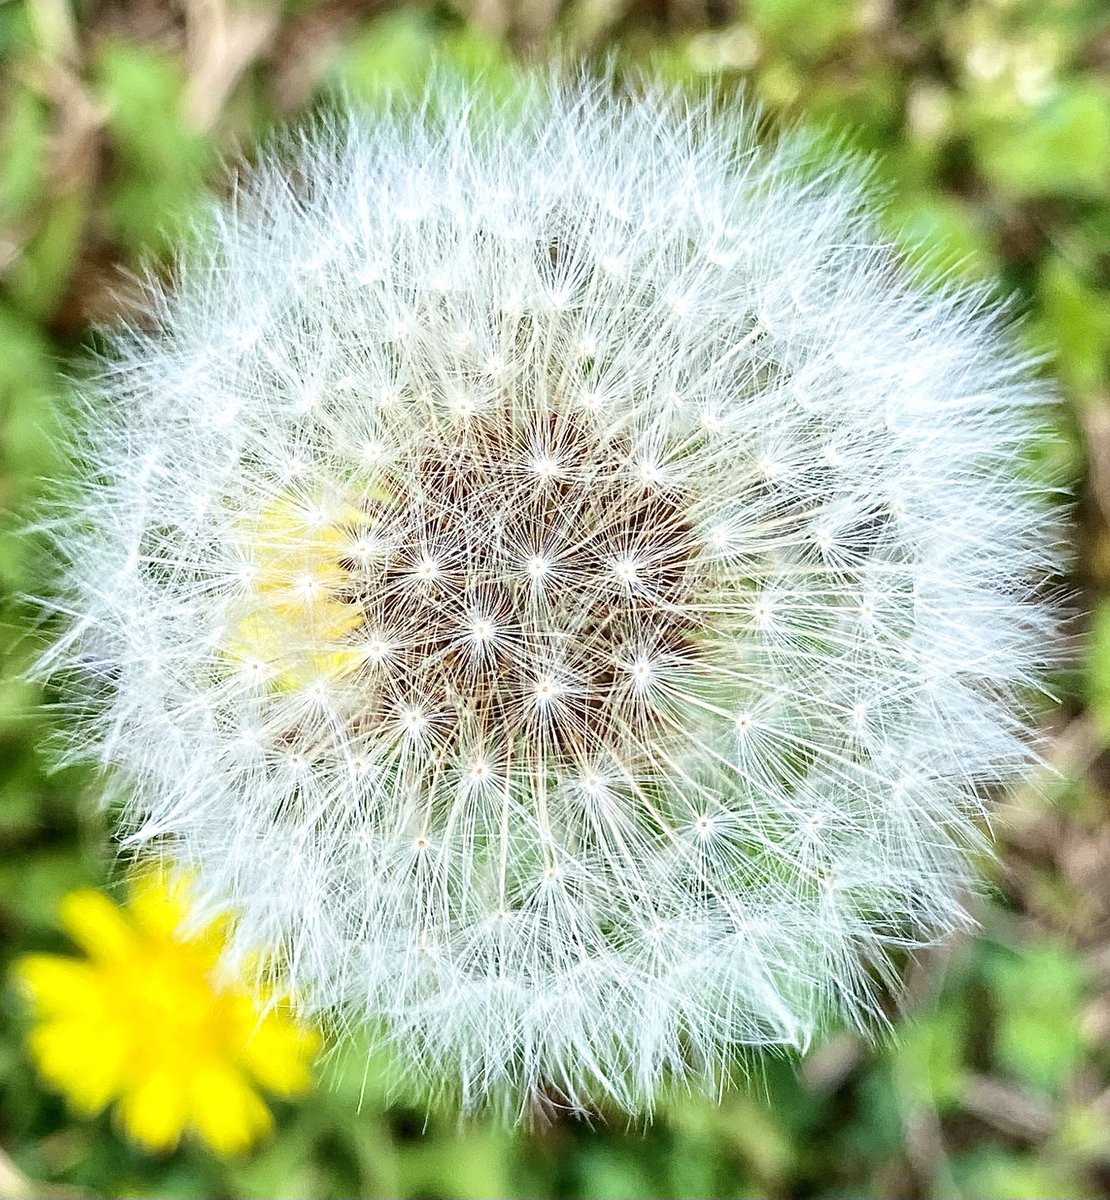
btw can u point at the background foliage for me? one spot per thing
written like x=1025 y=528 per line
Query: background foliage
x=992 y=120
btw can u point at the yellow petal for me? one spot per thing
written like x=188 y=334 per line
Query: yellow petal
x=57 y=985
x=158 y=899
x=333 y=665
x=298 y=645
x=155 y=1110
x=98 y=925
x=82 y=1058
x=298 y=632
x=226 y=1110
x=159 y=902
x=278 y=1053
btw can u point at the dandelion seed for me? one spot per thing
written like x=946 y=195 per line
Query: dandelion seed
x=548 y=696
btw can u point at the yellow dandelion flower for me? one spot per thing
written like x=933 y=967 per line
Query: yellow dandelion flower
x=293 y=620
x=148 y=1019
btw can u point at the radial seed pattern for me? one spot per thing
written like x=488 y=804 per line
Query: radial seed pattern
x=560 y=582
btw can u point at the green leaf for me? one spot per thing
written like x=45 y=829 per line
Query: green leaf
x=930 y=1058
x=941 y=234
x=1074 y=321
x=22 y=153
x=805 y=28
x=1005 y=1175
x=1063 y=150
x=42 y=270
x=162 y=162
x=1038 y=996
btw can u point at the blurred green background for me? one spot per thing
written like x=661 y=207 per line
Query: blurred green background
x=991 y=123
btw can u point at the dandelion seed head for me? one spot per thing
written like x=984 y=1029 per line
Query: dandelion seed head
x=564 y=586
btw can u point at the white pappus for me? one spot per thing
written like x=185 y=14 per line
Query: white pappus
x=557 y=577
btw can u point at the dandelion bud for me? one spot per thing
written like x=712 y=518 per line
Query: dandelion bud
x=564 y=585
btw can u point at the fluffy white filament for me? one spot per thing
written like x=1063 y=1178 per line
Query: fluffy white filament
x=558 y=579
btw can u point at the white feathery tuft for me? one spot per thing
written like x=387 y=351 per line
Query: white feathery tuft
x=556 y=576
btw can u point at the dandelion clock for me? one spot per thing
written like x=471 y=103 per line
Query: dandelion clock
x=556 y=577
